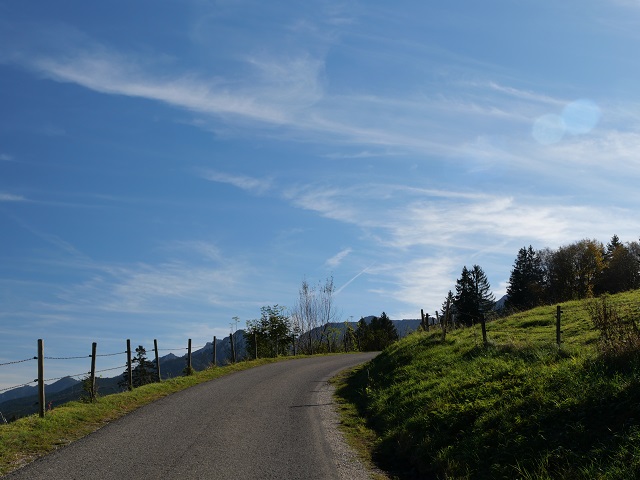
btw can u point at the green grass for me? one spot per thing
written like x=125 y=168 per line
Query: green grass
x=518 y=408
x=28 y=438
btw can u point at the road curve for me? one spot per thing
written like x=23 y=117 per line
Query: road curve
x=261 y=423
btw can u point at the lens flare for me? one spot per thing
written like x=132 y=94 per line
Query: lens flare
x=581 y=116
x=548 y=129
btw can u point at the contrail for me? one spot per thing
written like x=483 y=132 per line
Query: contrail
x=346 y=284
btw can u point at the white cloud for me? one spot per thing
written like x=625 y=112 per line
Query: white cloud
x=10 y=197
x=337 y=259
x=251 y=184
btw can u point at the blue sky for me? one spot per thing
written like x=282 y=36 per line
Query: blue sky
x=166 y=166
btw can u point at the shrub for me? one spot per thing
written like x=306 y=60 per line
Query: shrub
x=619 y=333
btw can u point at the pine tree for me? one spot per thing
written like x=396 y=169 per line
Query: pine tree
x=142 y=370
x=473 y=297
x=526 y=282
x=376 y=335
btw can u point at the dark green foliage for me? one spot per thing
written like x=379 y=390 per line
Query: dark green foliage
x=272 y=331
x=574 y=270
x=622 y=267
x=526 y=282
x=473 y=298
x=377 y=334
x=143 y=371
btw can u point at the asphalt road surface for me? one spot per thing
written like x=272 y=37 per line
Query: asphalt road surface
x=266 y=422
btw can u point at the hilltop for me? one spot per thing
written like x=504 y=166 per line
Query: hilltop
x=519 y=407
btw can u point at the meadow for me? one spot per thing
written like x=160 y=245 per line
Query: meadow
x=519 y=406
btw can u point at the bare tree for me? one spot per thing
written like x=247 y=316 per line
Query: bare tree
x=313 y=313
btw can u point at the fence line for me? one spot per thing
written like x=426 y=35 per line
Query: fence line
x=91 y=375
x=18 y=361
x=16 y=386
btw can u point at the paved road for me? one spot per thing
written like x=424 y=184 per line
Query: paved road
x=261 y=423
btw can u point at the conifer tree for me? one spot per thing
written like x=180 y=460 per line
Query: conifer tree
x=473 y=297
x=526 y=282
x=142 y=370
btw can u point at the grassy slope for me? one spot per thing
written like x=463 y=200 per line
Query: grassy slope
x=30 y=437
x=519 y=408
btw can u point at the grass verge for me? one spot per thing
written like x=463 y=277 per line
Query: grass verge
x=26 y=439
x=519 y=407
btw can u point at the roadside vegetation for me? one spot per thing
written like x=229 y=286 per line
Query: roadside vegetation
x=30 y=437
x=516 y=407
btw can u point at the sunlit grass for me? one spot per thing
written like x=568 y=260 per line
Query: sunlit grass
x=518 y=408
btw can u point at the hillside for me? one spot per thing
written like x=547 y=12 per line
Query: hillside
x=516 y=408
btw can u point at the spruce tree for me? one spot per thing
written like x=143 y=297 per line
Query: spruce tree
x=526 y=282
x=473 y=297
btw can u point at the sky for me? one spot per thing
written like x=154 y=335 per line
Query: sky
x=168 y=165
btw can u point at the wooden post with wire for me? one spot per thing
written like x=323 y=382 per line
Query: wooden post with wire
x=233 y=350
x=92 y=375
x=129 y=370
x=483 y=324
x=558 y=316
x=189 y=368
x=215 y=351
x=41 y=398
x=155 y=348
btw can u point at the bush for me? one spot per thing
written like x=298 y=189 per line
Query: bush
x=619 y=333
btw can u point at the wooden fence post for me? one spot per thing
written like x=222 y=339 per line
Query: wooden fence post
x=425 y=320
x=92 y=378
x=215 y=351
x=255 y=343
x=483 y=324
x=446 y=319
x=155 y=348
x=129 y=370
x=41 y=398
x=233 y=350
x=189 y=368
x=558 y=315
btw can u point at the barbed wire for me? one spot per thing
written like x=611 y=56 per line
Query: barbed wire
x=18 y=361
x=170 y=349
x=67 y=358
x=110 y=354
x=66 y=376
x=109 y=369
x=16 y=386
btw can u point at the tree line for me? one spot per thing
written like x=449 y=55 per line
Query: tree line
x=313 y=326
x=582 y=269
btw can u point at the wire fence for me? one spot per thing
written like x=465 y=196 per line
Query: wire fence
x=91 y=375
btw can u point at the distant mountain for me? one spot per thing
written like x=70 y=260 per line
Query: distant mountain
x=23 y=401
x=500 y=303
x=60 y=385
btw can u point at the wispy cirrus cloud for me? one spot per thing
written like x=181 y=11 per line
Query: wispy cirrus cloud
x=463 y=219
x=337 y=259
x=10 y=197
x=250 y=184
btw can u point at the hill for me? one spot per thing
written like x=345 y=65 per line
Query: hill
x=519 y=407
